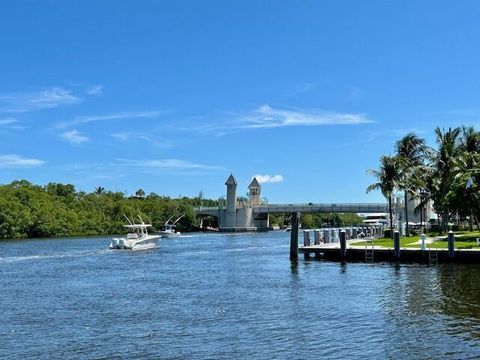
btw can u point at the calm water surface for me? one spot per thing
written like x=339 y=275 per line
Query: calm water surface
x=227 y=296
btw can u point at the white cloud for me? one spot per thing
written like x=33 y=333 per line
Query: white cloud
x=17 y=161
x=95 y=90
x=38 y=100
x=74 y=137
x=267 y=117
x=79 y=120
x=269 y=178
x=167 y=164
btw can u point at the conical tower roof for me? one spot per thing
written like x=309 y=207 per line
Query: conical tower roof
x=254 y=184
x=231 y=181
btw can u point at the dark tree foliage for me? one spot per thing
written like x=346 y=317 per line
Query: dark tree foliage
x=28 y=210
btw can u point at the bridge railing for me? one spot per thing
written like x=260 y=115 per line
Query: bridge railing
x=310 y=207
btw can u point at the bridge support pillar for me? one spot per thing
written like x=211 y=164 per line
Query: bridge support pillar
x=294 y=237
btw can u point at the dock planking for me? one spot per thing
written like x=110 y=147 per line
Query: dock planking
x=383 y=254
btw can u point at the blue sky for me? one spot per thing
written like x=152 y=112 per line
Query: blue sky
x=173 y=96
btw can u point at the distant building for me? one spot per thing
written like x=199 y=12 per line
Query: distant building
x=417 y=216
x=376 y=219
x=254 y=192
x=239 y=216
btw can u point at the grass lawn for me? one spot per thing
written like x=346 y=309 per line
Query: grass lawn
x=388 y=242
x=463 y=240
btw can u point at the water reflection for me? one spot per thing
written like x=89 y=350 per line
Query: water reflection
x=421 y=304
x=460 y=289
x=294 y=268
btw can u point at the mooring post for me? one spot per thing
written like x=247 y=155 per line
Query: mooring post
x=423 y=237
x=396 y=244
x=306 y=238
x=294 y=237
x=343 y=244
x=451 y=244
x=316 y=237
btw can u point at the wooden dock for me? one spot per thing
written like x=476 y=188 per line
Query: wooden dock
x=346 y=250
x=381 y=254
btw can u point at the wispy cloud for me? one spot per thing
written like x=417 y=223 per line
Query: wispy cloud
x=268 y=117
x=269 y=178
x=8 y=121
x=17 y=161
x=95 y=90
x=74 y=137
x=303 y=88
x=10 y=124
x=81 y=120
x=152 y=139
x=52 y=97
x=176 y=164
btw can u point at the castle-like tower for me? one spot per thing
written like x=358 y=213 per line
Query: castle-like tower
x=254 y=190
x=231 y=218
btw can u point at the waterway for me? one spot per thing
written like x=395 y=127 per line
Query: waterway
x=217 y=296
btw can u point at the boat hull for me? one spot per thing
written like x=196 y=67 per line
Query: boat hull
x=149 y=242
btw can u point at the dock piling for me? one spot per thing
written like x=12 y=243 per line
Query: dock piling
x=451 y=244
x=306 y=238
x=423 y=238
x=316 y=237
x=294 y=237
x=396 y=244
x=343 y=244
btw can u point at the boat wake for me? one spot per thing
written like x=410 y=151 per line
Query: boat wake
x=13 y=259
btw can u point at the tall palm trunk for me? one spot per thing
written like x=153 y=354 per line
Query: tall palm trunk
x=445 y=220
x=407 y=232
x=391 y=214
x=470 y=223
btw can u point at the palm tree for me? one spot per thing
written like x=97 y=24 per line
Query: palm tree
x=99 y=190
x=466 y=167
x=387 y=178
x=444 y=165
x=410 y=158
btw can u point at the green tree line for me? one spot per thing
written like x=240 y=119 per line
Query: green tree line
x=28 y=210
x=447 y=174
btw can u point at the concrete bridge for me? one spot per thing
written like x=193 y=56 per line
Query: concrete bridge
x=253 y=215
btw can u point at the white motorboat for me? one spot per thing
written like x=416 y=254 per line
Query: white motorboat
x=170 y=230
x=137 y=238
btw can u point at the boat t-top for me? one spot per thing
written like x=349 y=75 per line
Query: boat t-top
x=169 y=230
x=137 y=237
